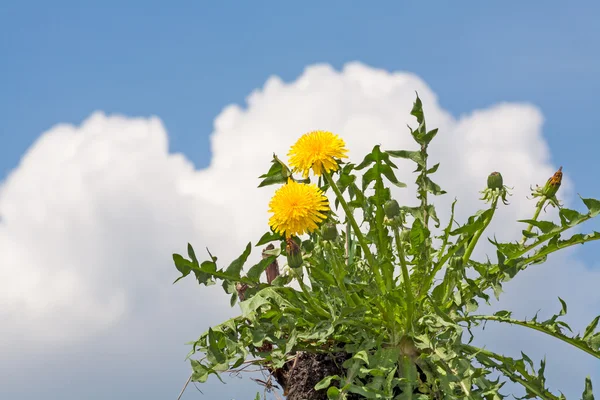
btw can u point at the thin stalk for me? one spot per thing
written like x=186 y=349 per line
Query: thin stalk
x=338 y=273
x=348 y=244
x=309 y=298
x=406 y=278
x=473 y=243
x=535 y=217
x=357 y=232
x=423 y=192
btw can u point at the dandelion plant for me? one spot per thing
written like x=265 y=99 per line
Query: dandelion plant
x=376 y=307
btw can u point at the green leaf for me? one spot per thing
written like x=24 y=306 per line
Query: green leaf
x=389 y=173
x=544 y=226
x=433 y=169
x=590 y=329
x=326 y=382
x=474 y=224
x=256 y=270
x=269 y=237
x=322 y=276
x=503 y=314
x=369 y=177
x=192 y=254
x=213 y=345
x=418 y=234
x=235 y=267
x=368 y=160
x=588 y=391
x=570 y=217
x=184 y=266
x=333 y=393
x=593 y=206
x=278 y=173
x=200 y=373
x=415 y=156
x=430 y=186
x=563 y=310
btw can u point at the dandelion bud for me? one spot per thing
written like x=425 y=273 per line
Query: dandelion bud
x=494 y=181
x=329 y=231
x=294 y=254
x=553 y=184
x=391 y=209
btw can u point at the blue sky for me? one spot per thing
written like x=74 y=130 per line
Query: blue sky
x=184 y=62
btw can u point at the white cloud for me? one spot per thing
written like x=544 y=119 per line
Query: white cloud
x=93 y=212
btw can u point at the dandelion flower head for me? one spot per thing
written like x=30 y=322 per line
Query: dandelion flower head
x=297 y=208
x=318 y=151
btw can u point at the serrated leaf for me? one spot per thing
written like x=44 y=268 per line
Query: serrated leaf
x=563 y=310
x=475 y=224
x=389 y=174
x=570 y=217
x=415 y=156
x=588 y=393
x=368 y=160
x=192 y=254
x=256 y=270
x=278 y=173
x=593 y=206
x=433 y=169
x=269 y=237
x=200 y=373
x=591 y=328
x=432 y=187
x=544 y=226
x=184 y=266
x=369 y=177
x=236 y=265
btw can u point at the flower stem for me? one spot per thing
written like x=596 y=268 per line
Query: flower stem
x=357 y=232
x=338 y=272
x=309 y=297
x=406 y=278
x=473 y=243
x=535 y=217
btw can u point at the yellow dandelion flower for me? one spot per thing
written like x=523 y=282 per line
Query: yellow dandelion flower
x=297 y=208
x=317 y=150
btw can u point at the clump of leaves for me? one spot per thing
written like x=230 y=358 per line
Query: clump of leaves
x=386 y=301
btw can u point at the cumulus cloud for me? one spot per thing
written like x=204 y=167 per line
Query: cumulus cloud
x=92 y=213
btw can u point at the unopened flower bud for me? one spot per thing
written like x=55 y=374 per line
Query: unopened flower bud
x=391 y=209
x=329 y=231
x=294 y=253
x=553 y=184
x=494 y=181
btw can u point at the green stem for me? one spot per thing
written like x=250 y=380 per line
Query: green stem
x=573 y=342
x=424 y=288
x=347 y=244
x=473 y=243
x=423 y=193
x=309 y=298
x=337 y=271
x=535 y=217
x=406 y=278
x=357 y=232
